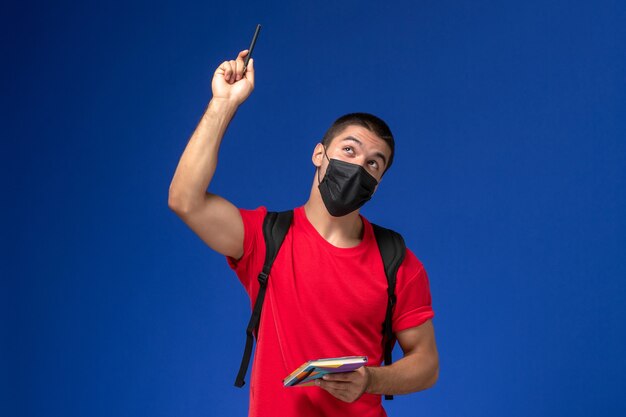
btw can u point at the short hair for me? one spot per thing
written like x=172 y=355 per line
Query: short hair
x=372 y=123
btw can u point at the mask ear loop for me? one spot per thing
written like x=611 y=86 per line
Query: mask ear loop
x=319 y=168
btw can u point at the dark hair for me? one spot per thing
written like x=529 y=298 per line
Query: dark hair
x=372 y=123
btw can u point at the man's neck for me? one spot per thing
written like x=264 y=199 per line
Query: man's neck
x=343 y=232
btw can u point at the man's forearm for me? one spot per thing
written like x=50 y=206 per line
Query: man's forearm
x=197 y=164
x=414 y=372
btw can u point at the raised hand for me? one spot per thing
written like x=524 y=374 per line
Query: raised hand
x=231 y=83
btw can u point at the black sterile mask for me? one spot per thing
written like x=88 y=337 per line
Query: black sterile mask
x=345 y=187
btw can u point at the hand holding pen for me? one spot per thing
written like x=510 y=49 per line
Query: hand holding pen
x=234 y=79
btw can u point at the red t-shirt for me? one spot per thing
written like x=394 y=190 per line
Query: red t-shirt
x=321 y=301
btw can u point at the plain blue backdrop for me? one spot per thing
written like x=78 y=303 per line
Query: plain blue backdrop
x=509 y=184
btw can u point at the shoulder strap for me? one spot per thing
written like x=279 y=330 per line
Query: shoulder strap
x=392 y=250
x=275 y=227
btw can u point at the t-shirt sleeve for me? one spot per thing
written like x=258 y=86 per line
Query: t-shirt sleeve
x=414 y=304
x=251 y=262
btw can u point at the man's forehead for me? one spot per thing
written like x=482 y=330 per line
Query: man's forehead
x=363 y=136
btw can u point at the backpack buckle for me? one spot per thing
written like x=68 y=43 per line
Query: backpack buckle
x=263 y=278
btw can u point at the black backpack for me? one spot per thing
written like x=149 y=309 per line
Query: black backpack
x=275 y=227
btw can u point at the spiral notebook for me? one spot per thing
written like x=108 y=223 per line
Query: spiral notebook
x=306 y=374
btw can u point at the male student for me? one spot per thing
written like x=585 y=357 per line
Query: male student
x=326 y=296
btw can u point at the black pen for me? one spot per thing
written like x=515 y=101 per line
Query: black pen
x=251 y=48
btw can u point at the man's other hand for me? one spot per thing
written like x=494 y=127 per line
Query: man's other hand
x=346 y=386
x=231 y=83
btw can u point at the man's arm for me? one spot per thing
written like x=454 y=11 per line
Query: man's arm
x=416 y=371
x=214 y=219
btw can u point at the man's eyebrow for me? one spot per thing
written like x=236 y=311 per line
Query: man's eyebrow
x=378 y=154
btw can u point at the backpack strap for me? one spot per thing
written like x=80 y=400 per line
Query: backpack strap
x=275 y=227
x=392 y=250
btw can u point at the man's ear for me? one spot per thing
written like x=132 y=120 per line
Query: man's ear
x=318 y=155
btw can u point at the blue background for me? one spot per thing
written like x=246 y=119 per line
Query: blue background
x=508 y=184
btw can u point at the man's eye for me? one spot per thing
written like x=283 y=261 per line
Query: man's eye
x=347 y=148
x=373 y=164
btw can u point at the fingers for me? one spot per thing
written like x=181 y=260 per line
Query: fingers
x=239 y=62
x=343 y=391
x=242 y=54
x=250 y=71
x=333 y=385
x=340 y=377
x=225 y=70
x=346 y=386
x=233 y=77
x=233 y=70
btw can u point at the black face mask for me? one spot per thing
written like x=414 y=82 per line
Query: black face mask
x=345 y=187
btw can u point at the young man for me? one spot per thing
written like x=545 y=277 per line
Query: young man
x=327 y=293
